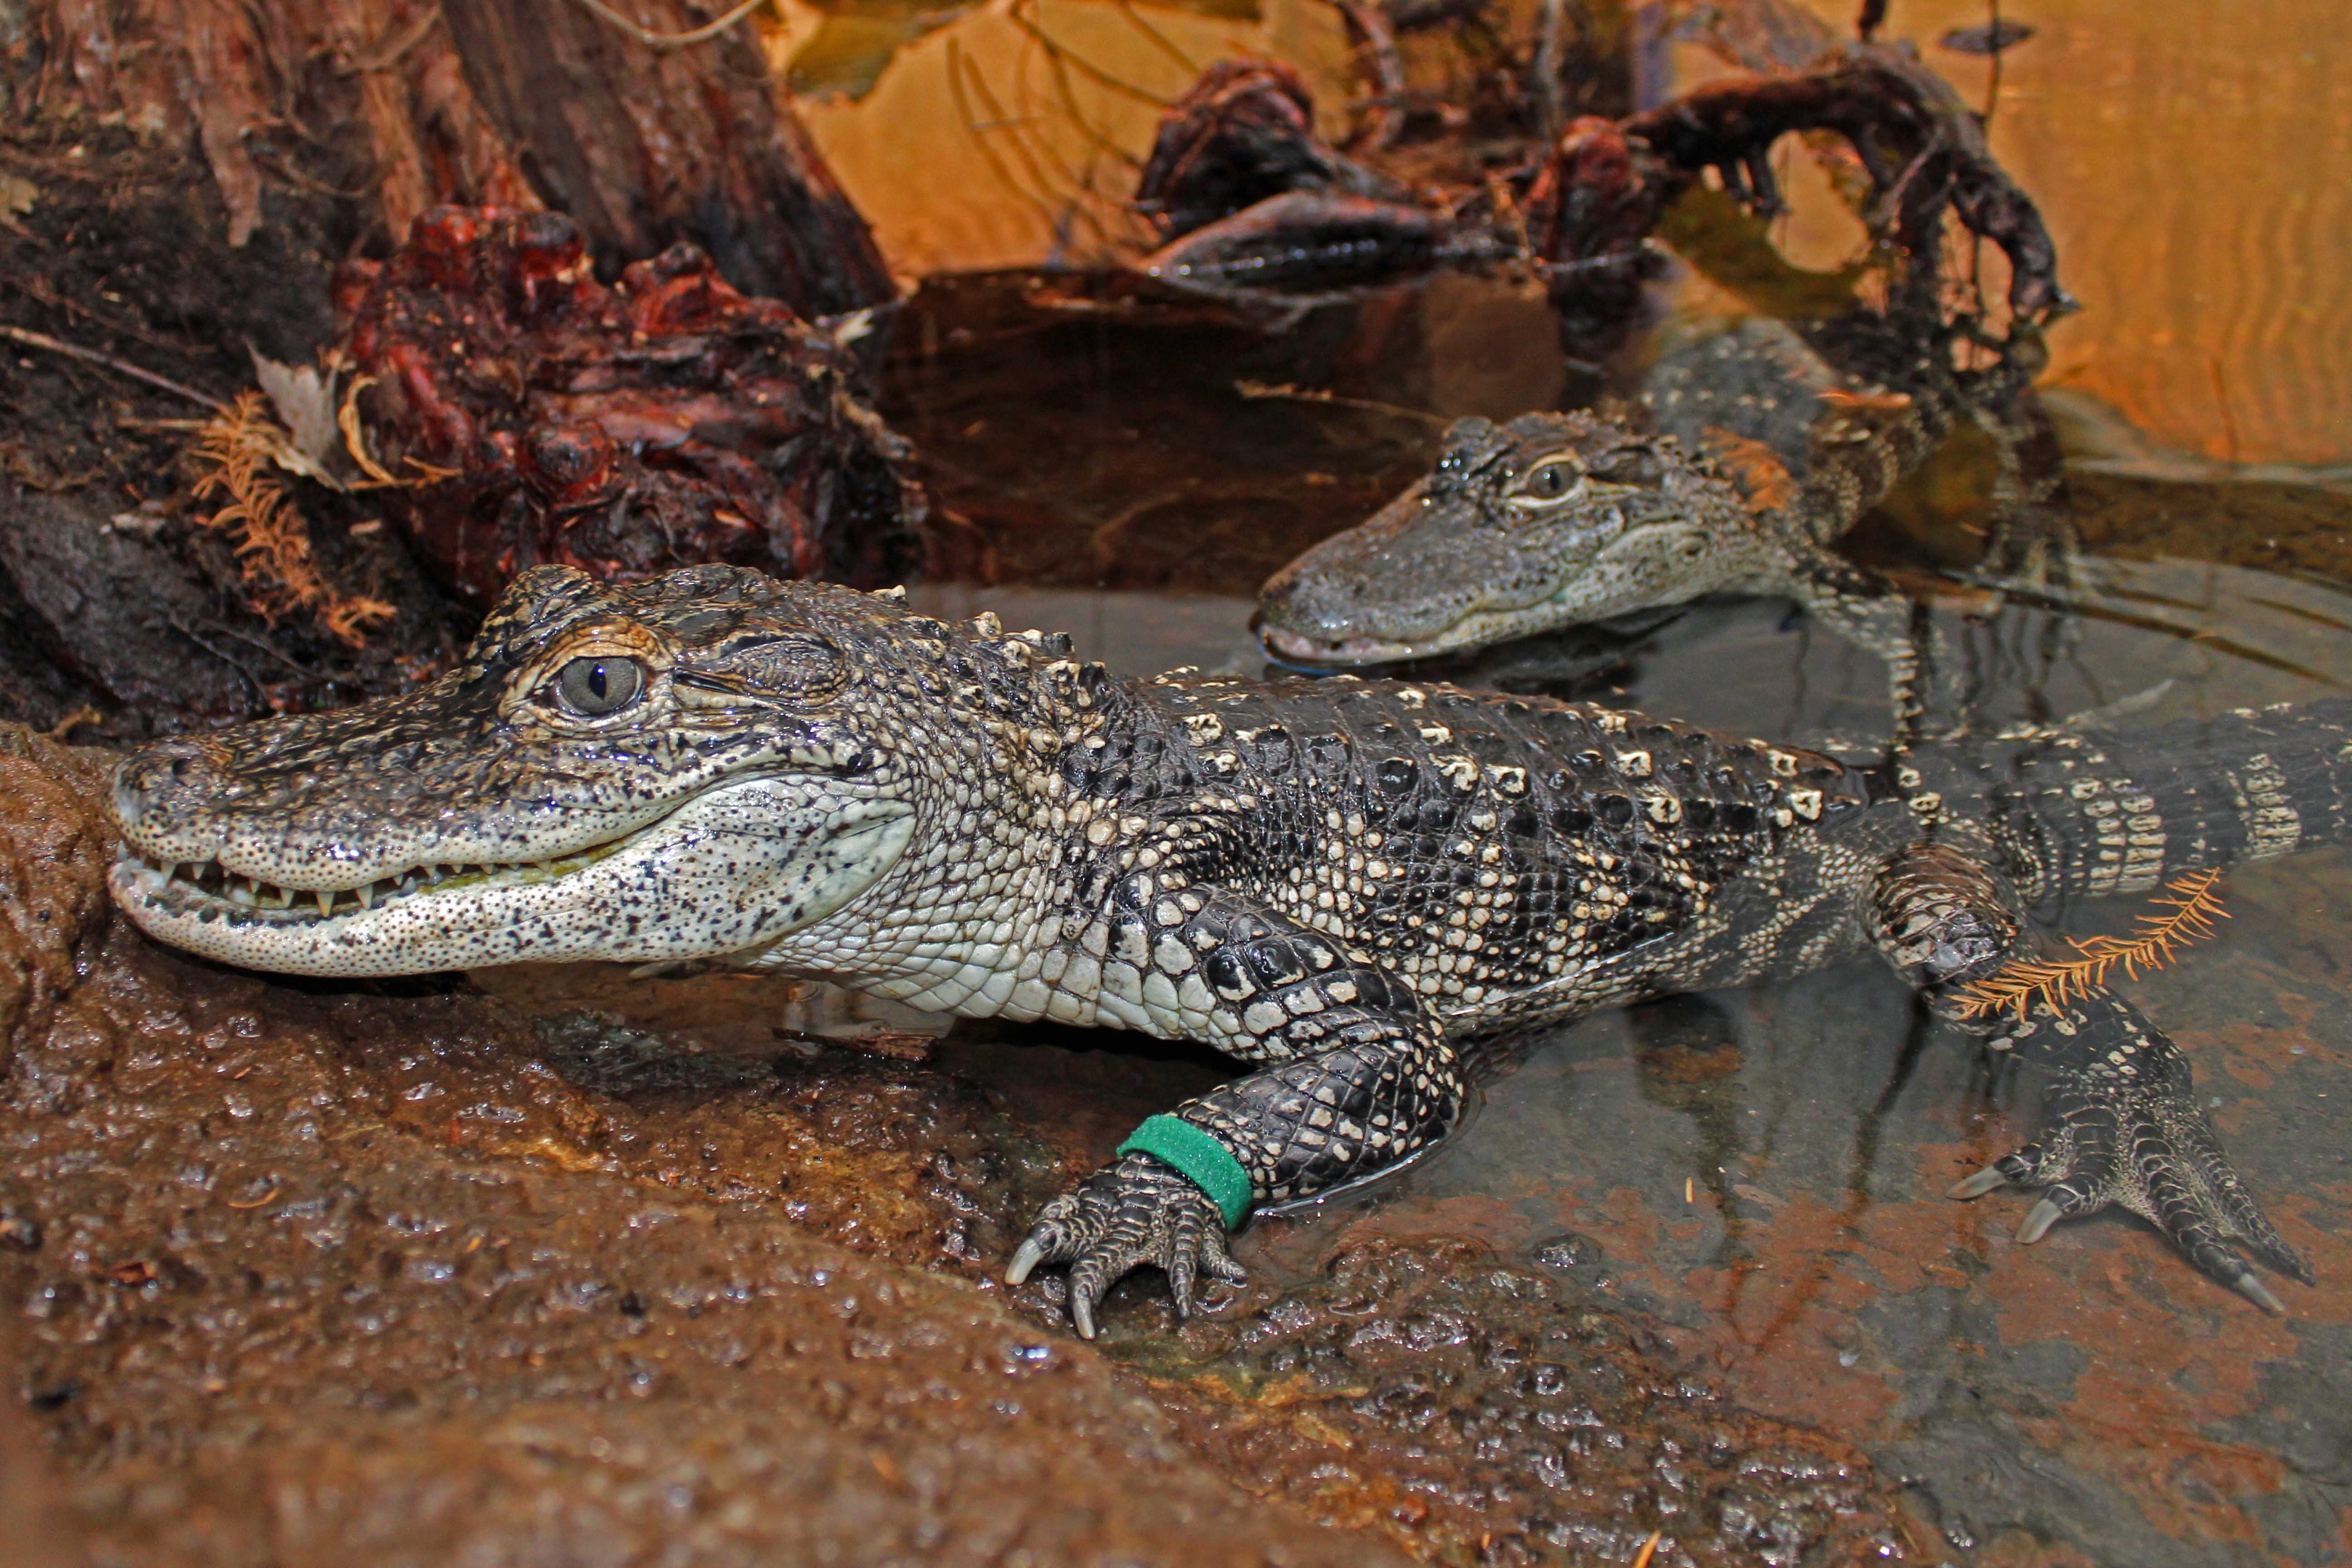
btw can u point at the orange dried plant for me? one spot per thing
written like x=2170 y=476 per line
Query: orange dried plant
x=239 y=450
x=2190 y=911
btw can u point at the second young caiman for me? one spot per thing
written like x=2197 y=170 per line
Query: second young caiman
x=1338 y=882
x=1755 y=451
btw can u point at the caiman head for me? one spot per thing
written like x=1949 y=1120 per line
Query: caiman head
x=1550 y=521
x=713 y=763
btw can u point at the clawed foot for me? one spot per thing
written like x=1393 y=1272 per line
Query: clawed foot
x=2147 y=1147
x=1127 y=1215
x=2037 y=554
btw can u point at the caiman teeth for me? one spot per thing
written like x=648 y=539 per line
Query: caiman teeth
x=215 y=889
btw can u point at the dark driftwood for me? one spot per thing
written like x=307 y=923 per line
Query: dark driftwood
x=531 y=103
x=644 y=147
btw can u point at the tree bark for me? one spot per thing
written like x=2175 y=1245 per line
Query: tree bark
x=531 y=103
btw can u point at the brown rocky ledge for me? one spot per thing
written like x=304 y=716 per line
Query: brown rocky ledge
x=416 y=1272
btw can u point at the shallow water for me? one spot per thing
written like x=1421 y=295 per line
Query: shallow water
x=1759 y=1175
x=1764 y=1171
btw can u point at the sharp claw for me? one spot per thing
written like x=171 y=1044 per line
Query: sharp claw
x=1978 y=1186
x=1029 y=1256
x=1082 y=1312
x=2257 y=1292
x=2037 y=1225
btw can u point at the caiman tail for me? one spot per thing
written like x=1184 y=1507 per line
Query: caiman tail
x=2120 y=813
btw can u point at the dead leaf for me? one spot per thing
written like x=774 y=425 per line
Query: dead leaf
x=305 y=403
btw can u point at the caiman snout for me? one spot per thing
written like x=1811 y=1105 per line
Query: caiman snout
x=1334 y=605
x=166 y=789
x=1377 y=591
x=1318 y=598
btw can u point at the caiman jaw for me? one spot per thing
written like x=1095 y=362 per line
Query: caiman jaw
x=208 y=892
x=1295 y=648
x=730 y=870
x=1475 y=630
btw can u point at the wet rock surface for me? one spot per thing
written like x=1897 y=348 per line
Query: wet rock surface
x=302 y=1275
x=1469 y=1407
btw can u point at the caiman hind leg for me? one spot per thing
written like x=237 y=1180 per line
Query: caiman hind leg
x=1361 y=1077
x=2121 y=1124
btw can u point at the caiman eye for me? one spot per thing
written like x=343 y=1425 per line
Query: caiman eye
x=1549 y=482
x=592 y=688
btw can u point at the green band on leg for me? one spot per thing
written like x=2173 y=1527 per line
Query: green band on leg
x=1177 y=1143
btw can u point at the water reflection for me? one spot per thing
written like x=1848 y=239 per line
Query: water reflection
x=1762 y=1172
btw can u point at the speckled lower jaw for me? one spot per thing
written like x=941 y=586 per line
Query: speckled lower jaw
x=210 y=892
x=1295 y=648
x=1476 y=630
x=733 y=867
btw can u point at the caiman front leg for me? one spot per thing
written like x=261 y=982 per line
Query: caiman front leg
x=1361 y=1077
x=2030 y=534
x=2121 y=1124
x=1870 y=611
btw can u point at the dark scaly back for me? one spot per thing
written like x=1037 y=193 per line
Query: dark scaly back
x=1842 y=408
x=1509 y=856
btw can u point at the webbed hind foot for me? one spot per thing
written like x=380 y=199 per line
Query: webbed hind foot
x=1126 y=1216
x=2129 y=1133
x=2121 y=1124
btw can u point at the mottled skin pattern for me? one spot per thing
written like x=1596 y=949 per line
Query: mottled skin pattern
x=1758 y=449
x=1336 y=882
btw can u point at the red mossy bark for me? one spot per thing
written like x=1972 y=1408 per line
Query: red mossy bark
x=537 y=416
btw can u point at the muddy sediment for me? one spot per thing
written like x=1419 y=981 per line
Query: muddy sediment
x=306 y=1275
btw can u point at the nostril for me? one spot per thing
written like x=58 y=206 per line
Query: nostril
x=164 y=769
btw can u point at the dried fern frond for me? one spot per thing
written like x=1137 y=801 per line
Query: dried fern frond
x=2193 y=907
x=347 y=419
x=240 y=451
x=348 y=618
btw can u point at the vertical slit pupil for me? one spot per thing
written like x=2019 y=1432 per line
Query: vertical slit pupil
x=599 y=686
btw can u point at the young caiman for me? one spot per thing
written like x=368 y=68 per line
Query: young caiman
x=1336 y=882
x=1753 y=451
x=1758 y=448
